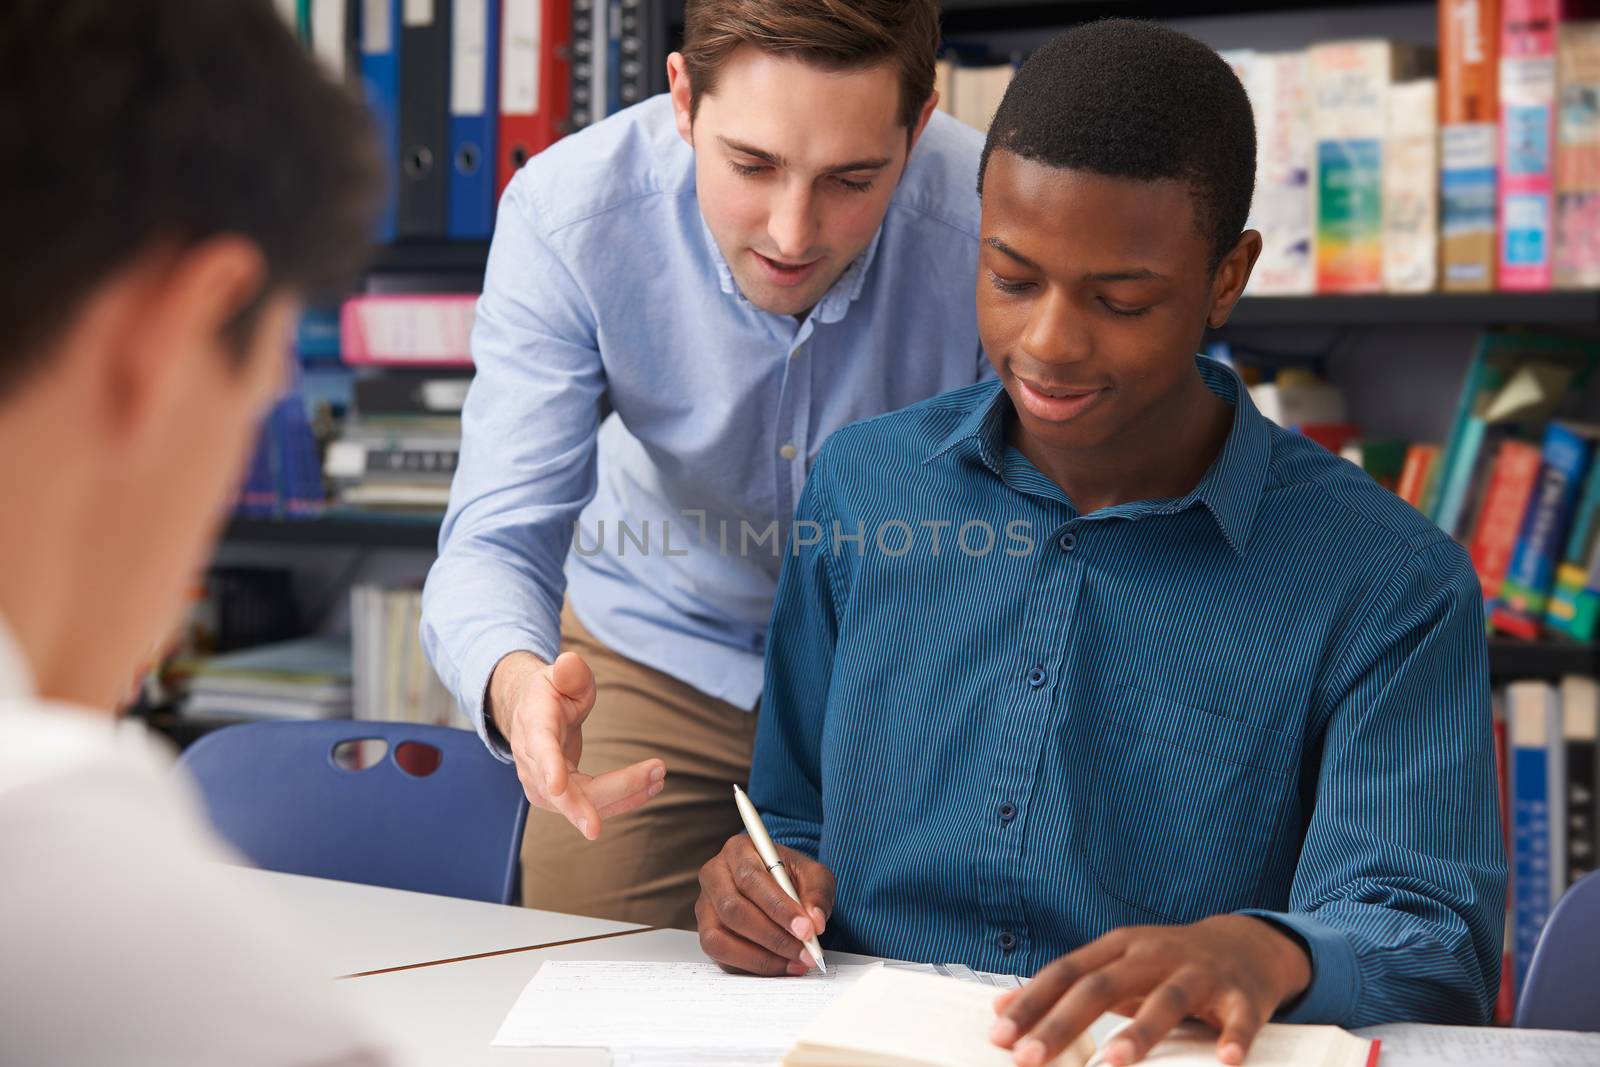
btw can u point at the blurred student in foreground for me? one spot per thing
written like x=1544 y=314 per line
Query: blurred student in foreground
x=177 y=176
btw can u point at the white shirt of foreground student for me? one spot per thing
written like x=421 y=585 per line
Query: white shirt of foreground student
x=122 y=940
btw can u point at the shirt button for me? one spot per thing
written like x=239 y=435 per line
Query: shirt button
x=788 y=452
x=1037 y=677
x=1007 y=812
x=1068 y=541
x=1007 y=941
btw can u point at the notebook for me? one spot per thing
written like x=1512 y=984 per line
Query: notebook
x=891 y=1018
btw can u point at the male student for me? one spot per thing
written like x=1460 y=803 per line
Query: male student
x=176 y=174
x=782 y=245
x=1182 y=702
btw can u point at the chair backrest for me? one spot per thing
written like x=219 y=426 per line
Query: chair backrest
x=278 y=792
x=1561 y=991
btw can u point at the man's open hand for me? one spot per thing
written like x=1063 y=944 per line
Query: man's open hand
x=1232 y=971
x=540 y=708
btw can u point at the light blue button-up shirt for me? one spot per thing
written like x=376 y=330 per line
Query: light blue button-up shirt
x=603 y=280
x=1008 y=727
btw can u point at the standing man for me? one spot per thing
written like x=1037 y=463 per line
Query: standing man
x=783 y=244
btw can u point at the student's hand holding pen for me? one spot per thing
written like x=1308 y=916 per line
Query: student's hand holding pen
x=540 y=709
x=748 y=924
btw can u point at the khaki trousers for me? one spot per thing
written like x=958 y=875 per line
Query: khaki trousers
x=645 y=866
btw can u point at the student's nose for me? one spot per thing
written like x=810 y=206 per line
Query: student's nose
x=792 y=226
x=1057 y=331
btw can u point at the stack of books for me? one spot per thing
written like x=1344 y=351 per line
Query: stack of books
x=393 y=679
x=307 y=678
x=399 y=446
x=1388 y=167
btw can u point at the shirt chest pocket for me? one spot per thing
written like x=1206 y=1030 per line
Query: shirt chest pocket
x=1185 y=806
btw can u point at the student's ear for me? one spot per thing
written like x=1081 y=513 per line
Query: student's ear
x=1233 y=274
x=678 y=89
x=184 y=302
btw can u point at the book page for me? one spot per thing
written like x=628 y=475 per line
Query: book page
x=1276 y=1045
x=919 y=1018
x=1407 y=1045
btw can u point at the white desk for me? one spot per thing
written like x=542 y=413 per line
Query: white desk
x=449 y=1014
x=358 y=928
x=438 y=1009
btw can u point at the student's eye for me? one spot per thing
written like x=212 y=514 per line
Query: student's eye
x=1122 y=312
x=1007 y=286
x=855 y=186
x=746 y=170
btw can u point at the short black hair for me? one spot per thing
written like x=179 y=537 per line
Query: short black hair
x=1132 y=99
x=125 y=124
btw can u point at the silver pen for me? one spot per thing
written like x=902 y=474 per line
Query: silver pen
x=769 y=856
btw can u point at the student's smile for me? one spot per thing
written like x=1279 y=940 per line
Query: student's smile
x=1051 y=403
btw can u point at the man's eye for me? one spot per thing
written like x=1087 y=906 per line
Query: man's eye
x=1126 y=313
x=745 y=169
x=856 y=186
x=1006 y=285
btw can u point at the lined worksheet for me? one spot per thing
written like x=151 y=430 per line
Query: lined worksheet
x=665 y=1013
x=1406 y=1045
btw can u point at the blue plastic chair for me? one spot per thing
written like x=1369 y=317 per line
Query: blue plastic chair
x=275 y=790
x=1561 y=991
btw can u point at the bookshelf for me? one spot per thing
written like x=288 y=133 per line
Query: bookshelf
x=1572 y=308
x=339 y=529
x=988 y=16
x=431 y=257
x=1548 y=658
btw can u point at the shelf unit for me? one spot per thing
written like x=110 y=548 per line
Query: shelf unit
x=1508 y=658
x=339 y=529
x=989 y=16
x=1577 y=310
x=1573 y=309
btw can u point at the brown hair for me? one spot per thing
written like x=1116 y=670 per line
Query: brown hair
x=832 y=34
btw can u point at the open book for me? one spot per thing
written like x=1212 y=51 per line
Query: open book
x=892 y=1018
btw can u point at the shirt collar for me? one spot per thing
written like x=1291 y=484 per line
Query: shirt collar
x=16 y=679
x=834 y=303
x=1230 y=490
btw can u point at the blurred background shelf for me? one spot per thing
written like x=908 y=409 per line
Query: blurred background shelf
x=340 y=528
x=1547 y=658
x=1575 y=308
x=968 y=16
x=431 y=257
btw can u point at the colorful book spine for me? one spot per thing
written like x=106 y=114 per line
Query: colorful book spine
x=1349 y=93
x=474 y=117
x=380 y=76
x=1414 y=474
x=432 y=329
x=1580 y=715
x=1511 y=483
x=1534 y=719
x=1469 y=117
x=1577 y=182
x=1527 y=135
x=1574 y=608
x=1411 y=188
x=1521 y=603
x=258 y=496
x=1280 y=93
x=1505 y=1005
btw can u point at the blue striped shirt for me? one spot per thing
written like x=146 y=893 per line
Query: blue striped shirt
x=1009 y=728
